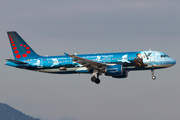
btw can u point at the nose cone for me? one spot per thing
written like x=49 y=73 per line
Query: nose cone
x=174 y=61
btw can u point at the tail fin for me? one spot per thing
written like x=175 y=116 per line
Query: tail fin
x=20 y=48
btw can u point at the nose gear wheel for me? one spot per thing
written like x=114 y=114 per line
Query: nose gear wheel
x=153 y=76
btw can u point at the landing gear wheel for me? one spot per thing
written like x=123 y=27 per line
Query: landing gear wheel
x=93 y=78
x=153 y=77
x=97 y=81
x=152 y=72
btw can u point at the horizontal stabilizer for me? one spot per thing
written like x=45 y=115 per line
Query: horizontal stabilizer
x=16 y=61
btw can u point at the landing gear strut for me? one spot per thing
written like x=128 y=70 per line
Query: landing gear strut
x=153 y=76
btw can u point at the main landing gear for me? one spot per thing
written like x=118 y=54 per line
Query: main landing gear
x=96 y=80
x=153 y=76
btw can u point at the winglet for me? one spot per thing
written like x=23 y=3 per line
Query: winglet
x=66 y=54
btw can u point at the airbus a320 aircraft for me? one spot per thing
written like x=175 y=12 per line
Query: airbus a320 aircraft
x=116 y=65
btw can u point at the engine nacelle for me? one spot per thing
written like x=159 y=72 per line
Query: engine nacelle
x=114 y=70
x=124 y=75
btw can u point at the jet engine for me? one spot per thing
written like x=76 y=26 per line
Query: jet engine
x=114 y=70
x=124 y=75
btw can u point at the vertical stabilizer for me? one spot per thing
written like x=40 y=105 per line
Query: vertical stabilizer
x=20 y=49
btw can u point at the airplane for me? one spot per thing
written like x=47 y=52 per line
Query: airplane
x=116 y=65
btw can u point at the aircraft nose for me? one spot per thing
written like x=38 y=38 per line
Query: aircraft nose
x=174 y=62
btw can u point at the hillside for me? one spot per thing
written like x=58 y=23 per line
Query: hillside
x=9 y=113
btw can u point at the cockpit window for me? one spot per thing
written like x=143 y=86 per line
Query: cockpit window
x=162 y=56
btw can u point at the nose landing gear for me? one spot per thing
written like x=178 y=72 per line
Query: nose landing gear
x=153 y=76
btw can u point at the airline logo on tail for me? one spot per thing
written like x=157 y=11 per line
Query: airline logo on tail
x=20 y=48
x=16 y=51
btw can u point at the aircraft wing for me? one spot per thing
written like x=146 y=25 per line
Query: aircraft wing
x=87 y=63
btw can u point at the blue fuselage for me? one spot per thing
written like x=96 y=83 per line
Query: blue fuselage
x=141 y=60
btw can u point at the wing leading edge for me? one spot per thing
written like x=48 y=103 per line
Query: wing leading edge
x=86 y=62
